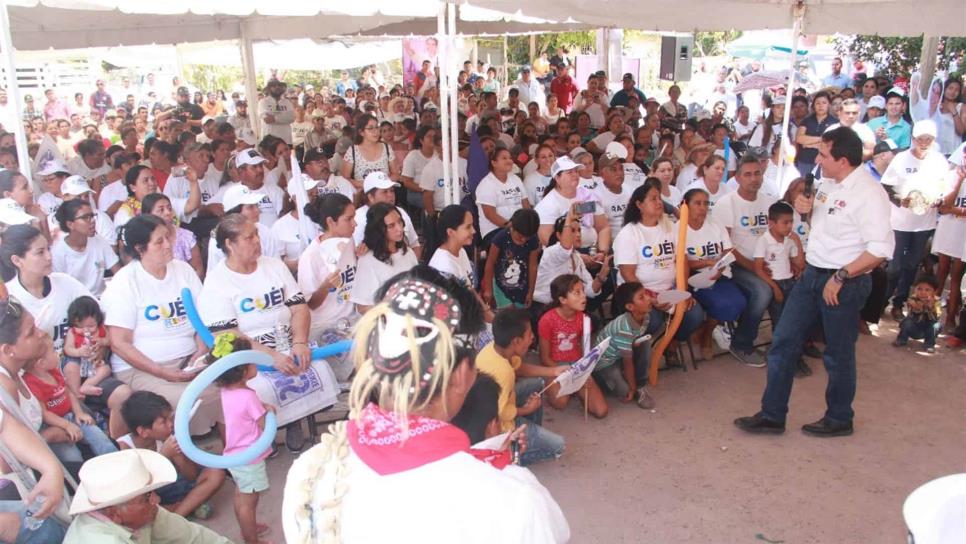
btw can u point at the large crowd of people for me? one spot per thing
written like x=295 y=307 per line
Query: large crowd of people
x=566 y=234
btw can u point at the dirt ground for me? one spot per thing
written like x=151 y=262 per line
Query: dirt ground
x=684 y=473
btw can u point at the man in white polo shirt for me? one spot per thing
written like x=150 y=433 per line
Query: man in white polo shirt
x=848 y=239
x=745 y=214
x=916 y=181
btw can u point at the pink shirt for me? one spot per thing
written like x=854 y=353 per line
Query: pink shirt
x=242 y=411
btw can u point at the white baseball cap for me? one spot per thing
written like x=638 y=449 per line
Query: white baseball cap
x=53 y=167
x=246 y=135
x=240 y=195
x=924 y=127
x=377 y=180
x=563 y=164
x=307 y=182
x=12 y=213
x=877 y=102
x=616 y=149
x=577 y=151
x=75 y=185
x=248 y=157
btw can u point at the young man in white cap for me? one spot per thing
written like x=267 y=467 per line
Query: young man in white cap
x=76 y=188
x=116 y=503
x=377 y=187
x=251 y=173
x=892 y=125
x=916 y=180
x=52 y=176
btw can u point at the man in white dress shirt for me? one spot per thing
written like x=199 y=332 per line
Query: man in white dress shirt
x=848 y=239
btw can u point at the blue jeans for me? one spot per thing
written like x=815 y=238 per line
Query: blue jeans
x=910 y=248
x=775 y=308
x=723 y=301
x=50 y=530
x=920 y=330
x=541 y=443
x=94 y=437
x=759 y=297
x=803 y=308
x=693 y=319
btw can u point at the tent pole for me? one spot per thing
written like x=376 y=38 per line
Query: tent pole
x=798 y=14
x=441 y=64
x=454 y=124
x=13 y=91
x=506 y=68
x=248 y=72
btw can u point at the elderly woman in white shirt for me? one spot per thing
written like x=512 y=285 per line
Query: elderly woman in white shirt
x=151 y=337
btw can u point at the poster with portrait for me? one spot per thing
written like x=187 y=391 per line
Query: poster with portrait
x=415 y=51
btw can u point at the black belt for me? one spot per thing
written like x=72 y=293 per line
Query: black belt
x=825 y=270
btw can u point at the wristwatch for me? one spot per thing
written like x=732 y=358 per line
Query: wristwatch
x=841 y=275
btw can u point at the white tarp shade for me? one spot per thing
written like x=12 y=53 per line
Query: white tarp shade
x=883 y=17
x=107 y=23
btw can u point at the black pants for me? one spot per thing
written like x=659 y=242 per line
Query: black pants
x=878 y=297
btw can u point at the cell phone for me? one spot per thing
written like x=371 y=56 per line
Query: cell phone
x=586 y=207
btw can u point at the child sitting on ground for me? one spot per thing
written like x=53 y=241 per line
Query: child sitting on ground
x=777 y=257
x=624 y=331
x=519 y=401
x=510 y=272
x=150 y=418
x=562 y=331
x=244 y=423
x=922 y=314
x=85 y=348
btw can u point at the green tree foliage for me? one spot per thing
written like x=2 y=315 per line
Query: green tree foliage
x=709 y=44
x=518 y=47
x=898 y=56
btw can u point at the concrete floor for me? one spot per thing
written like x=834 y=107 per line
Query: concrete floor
x=684 y=473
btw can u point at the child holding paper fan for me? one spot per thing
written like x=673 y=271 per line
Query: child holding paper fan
x=563 y=329
x=244 y=423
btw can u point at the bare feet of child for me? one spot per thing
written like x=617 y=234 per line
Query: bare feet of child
x=90 y=390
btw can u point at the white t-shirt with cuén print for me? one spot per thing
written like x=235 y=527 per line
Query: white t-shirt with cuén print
x=371 y=273
x=258 y=304
x=86 y=266
x=777 y=255
x=650 y=250
x=747 y=220
x=711 y=241
x=507 y=197
x=153 y=310
x=316 y=264
x=50 y=311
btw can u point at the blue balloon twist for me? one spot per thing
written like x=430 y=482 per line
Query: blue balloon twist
x=182 y=414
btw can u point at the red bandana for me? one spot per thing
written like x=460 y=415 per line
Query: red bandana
x=377 y=438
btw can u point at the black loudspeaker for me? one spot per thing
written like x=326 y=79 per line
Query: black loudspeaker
x=676 y=57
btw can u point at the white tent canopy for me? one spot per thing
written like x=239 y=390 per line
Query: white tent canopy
x=60 y=24
x=104 y=23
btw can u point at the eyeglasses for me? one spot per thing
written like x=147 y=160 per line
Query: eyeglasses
x=372 y=127
x=84 y=217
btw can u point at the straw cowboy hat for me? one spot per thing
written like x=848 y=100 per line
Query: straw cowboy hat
x=115 y=478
